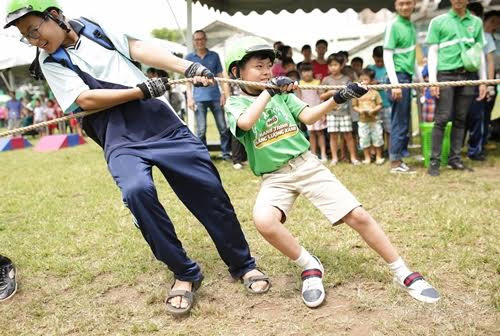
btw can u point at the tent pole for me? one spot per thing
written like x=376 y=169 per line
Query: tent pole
x=189 y=42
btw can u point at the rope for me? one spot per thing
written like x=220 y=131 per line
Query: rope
x=264 y=86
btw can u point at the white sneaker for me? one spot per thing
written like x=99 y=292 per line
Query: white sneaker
x=313 y=292
x=237 y=166
x=418 y=288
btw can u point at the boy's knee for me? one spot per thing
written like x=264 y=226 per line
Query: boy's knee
x=137 y=189
x=358 y=216
x=266 y=219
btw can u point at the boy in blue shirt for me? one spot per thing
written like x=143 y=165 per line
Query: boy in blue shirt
x=266 y=122
x=138 y=131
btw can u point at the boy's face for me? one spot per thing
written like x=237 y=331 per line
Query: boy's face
x=307 y=54
x=335 y=67
x=49 y=35
x=257 y=70
x=307 y=76
x=321 y=50
x=405 y=7
x=289 y=67
x=379 y=61
x=357 y=67
x=365 y=79
x=459 y=5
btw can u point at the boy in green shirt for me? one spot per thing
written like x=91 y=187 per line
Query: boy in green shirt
x=399 y=58
x=265 y=121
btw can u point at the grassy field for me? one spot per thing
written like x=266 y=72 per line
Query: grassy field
x=84 y=269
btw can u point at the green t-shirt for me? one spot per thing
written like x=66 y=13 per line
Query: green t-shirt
x=401 y=36
x=448 y=31
x=275 y=138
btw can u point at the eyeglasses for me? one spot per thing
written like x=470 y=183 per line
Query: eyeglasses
x=33 y=34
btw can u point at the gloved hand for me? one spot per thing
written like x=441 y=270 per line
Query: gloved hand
x=154 y=87
x=352 y=90
x=280 y=82
x=196 y=69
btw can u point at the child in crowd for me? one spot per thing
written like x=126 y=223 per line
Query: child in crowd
x=357 y=65
x=3 y=115
x=39 y=115
x=382 y=78
x=265 y=121
x=320 y=66
x=311 y=97
x=288 y=65
x=428 y=101
x=293 y=75
x=370 y=130
x=339 y=121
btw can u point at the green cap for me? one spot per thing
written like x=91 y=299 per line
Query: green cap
x=16 y=9
x=244 y=48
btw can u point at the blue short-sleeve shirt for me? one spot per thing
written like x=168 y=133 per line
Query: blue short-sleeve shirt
x=212 y=62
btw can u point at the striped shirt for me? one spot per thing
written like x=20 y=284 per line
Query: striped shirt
x=450 y=32
x=401 y=37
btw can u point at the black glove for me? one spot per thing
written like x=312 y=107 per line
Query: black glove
x=154 y=87
x=278 y=81
x=352 y=90
x=196 y=69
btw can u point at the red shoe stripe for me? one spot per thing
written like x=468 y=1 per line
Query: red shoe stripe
x=410 y=279
x=311 y=273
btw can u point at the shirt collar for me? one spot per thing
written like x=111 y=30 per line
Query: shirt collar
x=402 y=19
x=466 y=16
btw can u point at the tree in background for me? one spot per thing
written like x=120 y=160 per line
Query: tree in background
x=172 y=35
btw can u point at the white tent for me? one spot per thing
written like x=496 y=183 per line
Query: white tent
x=13 y=52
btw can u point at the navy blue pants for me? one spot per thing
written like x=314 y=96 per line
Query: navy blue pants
x=184 y=161
x=400 y=121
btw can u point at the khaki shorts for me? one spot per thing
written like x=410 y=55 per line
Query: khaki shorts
x=305 y=175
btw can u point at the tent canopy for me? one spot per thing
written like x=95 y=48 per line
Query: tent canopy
x=260 y=6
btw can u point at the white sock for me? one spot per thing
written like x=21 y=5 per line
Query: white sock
x=306 y=260
x=399 y=269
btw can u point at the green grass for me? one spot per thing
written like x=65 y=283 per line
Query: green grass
x=84 y=269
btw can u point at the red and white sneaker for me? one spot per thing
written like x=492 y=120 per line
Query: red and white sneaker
x=313 y=293
x=418 y=288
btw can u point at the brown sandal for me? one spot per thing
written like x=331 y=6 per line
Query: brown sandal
x=248 y=282
x=189 y=296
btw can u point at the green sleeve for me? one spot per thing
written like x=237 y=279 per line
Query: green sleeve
x=433 y=33
x=390 y=39
x=234 y=109
x=480 y=36
x=295 y=105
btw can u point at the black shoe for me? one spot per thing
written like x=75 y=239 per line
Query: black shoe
x=8 y=285
x=433 y=168
x=458 y=165
x=478 y=157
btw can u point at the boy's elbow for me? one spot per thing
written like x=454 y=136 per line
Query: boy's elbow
x=84 y=101
x=244 y=126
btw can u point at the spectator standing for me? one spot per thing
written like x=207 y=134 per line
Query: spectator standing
x=320 y=67
x=357 y=65
x=370 y=130
x=339 y=120
x=381 y=78
x=3 y=115
x=400 y=61
x=14 y=107
x=448 y=35
x=203 y=98
x=312 y=98
x=307 y=53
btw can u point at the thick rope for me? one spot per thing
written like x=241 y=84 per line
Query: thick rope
x=264 y=86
